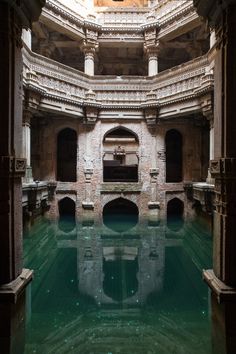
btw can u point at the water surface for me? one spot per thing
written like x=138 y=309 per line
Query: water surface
x=99 y=290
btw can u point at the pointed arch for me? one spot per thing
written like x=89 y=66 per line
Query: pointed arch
x=120 y=161
x=120 y=214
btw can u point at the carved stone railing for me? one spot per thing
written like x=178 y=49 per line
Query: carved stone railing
x=118 y=17
x=64 y=84
x=166 y=16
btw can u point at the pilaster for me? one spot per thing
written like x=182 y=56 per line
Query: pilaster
x=13 y=280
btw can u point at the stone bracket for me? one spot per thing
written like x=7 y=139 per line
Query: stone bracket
x=153 y=205
x=223 y=292
x=88 y=205
x=11 y=291
x=13 y=166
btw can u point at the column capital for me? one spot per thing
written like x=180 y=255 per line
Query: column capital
x=152 y=48
x=89 y=48
x=27 y=116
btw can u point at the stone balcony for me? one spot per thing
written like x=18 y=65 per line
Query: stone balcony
x=59 y=88
x=75 y=17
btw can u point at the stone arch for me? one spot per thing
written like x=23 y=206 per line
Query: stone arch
x=120 y=214
x=66 y=207
x=174 y=156
x=67 y=155
x=120 y=155
x=121 y=130
x=175 y=211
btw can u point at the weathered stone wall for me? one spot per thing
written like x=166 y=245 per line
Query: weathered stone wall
x=90 y=193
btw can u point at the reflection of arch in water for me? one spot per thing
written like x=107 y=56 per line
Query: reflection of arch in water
x=120 y=161
x=175 y=210
x=173 y=141
x=120 y=214
x=120 y=278
x=66 y=155
x=66 y=208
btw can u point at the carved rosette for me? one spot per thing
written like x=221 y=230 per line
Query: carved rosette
x=12 y=166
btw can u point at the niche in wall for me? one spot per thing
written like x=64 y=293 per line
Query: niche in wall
x=66 y=155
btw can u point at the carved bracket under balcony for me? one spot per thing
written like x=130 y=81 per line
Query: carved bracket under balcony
x=151 y=115
x=91 y=115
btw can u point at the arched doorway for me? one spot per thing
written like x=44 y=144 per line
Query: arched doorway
x=175 y=209
x=120 y=215
x=66 y=214
x=174 y=158
x=120 y=161
x=66 y=155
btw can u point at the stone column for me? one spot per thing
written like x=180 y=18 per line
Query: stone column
x=89 y=48
x=27 y=37
x=27 y=115
x=152 y=54
x=13 y=279
x=222 y=279
x=152 y=47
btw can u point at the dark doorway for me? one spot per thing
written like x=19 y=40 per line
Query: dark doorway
x=67 y=214
x=173 y=156
x=66 y=155
x=120 y=215
x=175 y=209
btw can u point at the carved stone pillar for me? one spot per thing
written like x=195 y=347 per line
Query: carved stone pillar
x=27 y=115
x=222 y=280
x=13 y=279
x=89 y=48
x=151 y=47
x=152 y=54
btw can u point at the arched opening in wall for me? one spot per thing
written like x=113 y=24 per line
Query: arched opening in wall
x=120 y=158
x=120 y=215
x=120 y=277
x=174 y=158
x=66 y=155
x=175 y=210
x=66 y=214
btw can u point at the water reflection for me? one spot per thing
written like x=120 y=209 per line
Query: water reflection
x=101 y=291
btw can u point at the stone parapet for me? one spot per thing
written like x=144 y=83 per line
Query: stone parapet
x=64 y=89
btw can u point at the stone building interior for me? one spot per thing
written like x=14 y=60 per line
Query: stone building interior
x=117 y=177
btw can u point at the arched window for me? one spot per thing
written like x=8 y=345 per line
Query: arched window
x=67 y=214
x=120 y=162
x=173 y=156
x=66 y=155
x=175 y=209
x=120 y=215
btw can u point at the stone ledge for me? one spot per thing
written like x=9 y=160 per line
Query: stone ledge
x=10 y=292
x=223 y=292
x=118 y=187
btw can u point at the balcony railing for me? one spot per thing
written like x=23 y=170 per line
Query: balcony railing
x=61 y=83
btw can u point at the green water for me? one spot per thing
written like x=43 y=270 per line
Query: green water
x=97 y=291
